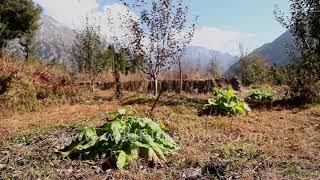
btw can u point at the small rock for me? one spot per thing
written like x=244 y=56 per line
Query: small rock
x=247 y=108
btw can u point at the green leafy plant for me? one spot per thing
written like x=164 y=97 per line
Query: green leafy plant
x=259 y=94
x=122 y=141
x=259 y=98
x=225 y=103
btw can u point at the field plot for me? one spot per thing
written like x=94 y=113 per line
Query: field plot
x=276 y=143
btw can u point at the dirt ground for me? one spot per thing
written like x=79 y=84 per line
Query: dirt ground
x=266 y=144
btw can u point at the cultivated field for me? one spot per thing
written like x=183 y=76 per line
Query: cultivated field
x=278 y=143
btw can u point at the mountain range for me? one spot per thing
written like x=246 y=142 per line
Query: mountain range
x=200 y=57
x=277 y=52
x=54 y=41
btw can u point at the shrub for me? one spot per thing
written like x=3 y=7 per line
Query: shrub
x=260 y=98
x=225 y=103
x=259 y=95
x=32 y=86
x=122 y=141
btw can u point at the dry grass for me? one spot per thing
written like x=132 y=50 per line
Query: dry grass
x=263 y=145
x=34 y=86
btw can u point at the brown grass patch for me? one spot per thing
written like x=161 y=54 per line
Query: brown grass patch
x=265 y=144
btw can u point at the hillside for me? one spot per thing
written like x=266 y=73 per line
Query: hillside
x=276 y=52
x=52 y=41
x=200 y=57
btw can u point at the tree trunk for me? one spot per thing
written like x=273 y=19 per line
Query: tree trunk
x=91 y=81
x=92 y=85
x=155 y=86
x=180 y=77
x=155 y=102
x=27 y=53
x=117 y=76
x=27 y=48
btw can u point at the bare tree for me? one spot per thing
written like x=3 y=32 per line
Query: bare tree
x=160 y=34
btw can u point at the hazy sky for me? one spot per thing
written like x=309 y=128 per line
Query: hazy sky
x=222 y=24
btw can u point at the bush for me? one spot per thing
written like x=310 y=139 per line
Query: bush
x=259 y=95
x=260 y=98
x=32 y=86
x=225 y=103
x=123 y=141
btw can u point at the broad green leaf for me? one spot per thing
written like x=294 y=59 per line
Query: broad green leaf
x=225 y=103
x=152 y=156
x=89 y=144
x=229 y=93
x=212 y=102
x=134 y=155
x=116 y=130
x=121 y=160
x=230 y=104
x=154 y=127
x=87 y=133
x=133 y=137
x=143 y=137
x=158 y=151
x=141 y=145
x=162 y=126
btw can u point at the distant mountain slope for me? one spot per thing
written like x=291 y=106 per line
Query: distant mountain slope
x=200 y=57
x=276 y=52
x=52 y=41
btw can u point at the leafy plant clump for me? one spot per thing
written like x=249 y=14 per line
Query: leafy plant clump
x=259 y=94
x=260 y=98
x=225 y=103
x=122 y=141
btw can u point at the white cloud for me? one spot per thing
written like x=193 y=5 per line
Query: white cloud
x=69 y=12
x=220 y=39
x=72 y=13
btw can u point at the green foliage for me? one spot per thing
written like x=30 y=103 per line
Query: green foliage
x=119 y=65
x=123 y=140
x=304 y=71
x=225 y=103
x=88 y=51
x=259 y=98
x=278 y=74
x=259 y=94
x=19 y=18
x=252 y=70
